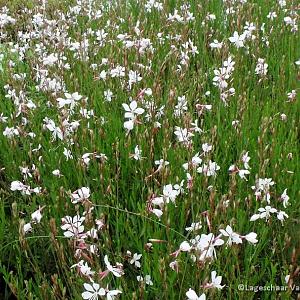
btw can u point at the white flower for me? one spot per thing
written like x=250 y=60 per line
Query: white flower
x=191 y=294
x=195 y=127
x=263 y=186
x=232 y=236
x=161 y=163
x=255 y=217
x=216 y=44
x=3 y=119
x=134 y=77
x=93 y=291
x=17 y=186
x=195 y=162
x=36 y=216
x=283 y=117
x=237 y=39
x=56 y=173
x=285 y=198
x=261 y=67
x=185 y=247
x=93 y=233
x=232 y=168
x=68 y=154
x=112 y=294
x=108 y=95
x=169 y=194
x=235 y=123
x=118 y=71
x=70 y=99
x=83 y=268
x=135 y=260
x=206 y=148
x=194 y=227
x=24 y=189
x=56 y=131
x=245 y=160
x=251 y=237
x=183 y=135
x=128 y=125
x=179 y=187
x=292 y=95
x=206 y=244
x=117 y=271
x=158 y=201
x=80 y=195
x=243 y=173
x=147 y=279
x=137 y=153
x=132 y=110
x=50 y=60
x=157 y=212
x=281 y=215
x=9 y=132
x=93 y=249
x=220 y=78
x=210 y=169
x=216 y=281
x=102 y=75
x=180 y=107
x=272 y=15
x=174 y=266
x=36 y=190
x=86 y=158
x=265 y=213
x=229 y=65
x=72 y=226
x=27 y=228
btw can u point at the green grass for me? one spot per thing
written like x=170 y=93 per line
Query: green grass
x=37 y=265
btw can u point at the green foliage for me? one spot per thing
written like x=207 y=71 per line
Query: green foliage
x=37 y=265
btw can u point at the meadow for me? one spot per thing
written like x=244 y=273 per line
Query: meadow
x=149 y=149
